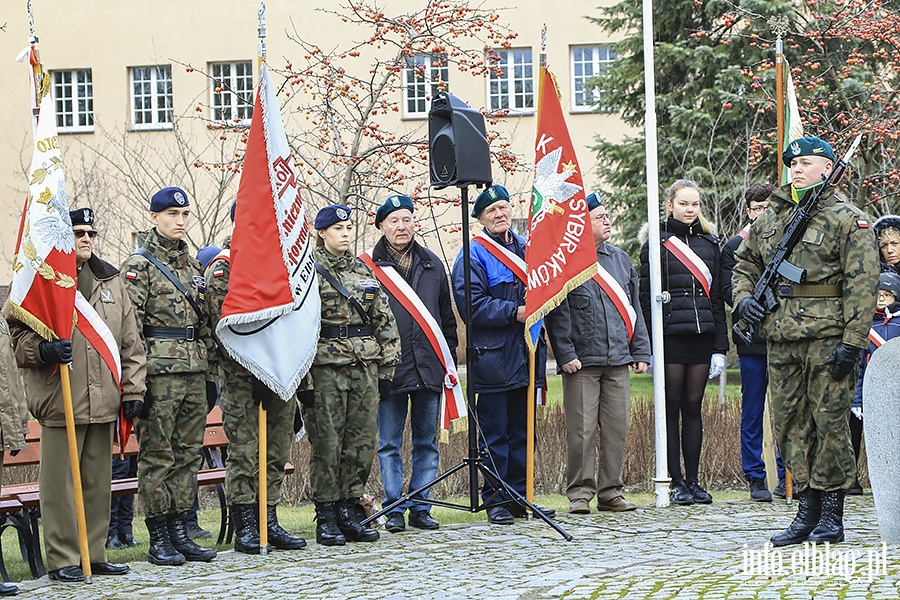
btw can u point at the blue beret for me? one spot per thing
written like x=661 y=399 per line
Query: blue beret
x=206 y=254
x=489 y=196
x=594 y=200
x=807 y=146
x=233 y=209
x=331 y=214
x=82 y=216
x=166 y=197
x=390 y=205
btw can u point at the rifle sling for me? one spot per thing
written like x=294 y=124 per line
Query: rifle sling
x=342 y=291
x=171 y=277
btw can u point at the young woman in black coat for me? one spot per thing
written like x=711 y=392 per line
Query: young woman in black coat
x=695 y=335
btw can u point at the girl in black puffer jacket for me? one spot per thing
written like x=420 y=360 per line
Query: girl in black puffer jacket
x=695 y=334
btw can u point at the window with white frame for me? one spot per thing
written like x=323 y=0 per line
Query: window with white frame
x=588 y=62
x=232 y=92
x=511 y=81
x=423 y=76
x=73 y=93
x=151 y=97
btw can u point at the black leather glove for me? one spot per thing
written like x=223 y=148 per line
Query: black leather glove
x=212 y=395
x=57 y=351
x=750 y=311
x=298 y=420
x=132 y=409
x=262 y=394
x=842 y=360
x=147 y=405
x=384 y=388
x=307 y=398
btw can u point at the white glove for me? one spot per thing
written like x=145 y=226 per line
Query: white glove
x=716 y=365
x=857 y=412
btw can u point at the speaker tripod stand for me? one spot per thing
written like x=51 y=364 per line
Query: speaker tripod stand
x=474 y=463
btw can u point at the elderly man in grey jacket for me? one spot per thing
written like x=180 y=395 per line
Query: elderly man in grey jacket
x=597 y=333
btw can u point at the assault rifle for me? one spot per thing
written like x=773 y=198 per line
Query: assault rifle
x=764 y=290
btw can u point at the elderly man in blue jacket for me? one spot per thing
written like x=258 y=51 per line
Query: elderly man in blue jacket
x=500 y=373
x=597 y=334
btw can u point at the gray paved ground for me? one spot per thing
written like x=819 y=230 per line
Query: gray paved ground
x=677 y=552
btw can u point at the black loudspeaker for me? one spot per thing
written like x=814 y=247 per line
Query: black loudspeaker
x=457 y=139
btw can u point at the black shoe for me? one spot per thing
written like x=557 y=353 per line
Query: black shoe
x=759 y=491
x=700 y=495
x=780 y=490
x=830 y=528
x=422 y=519
x=177 y=527
x=246 y=528
x=114 y=543
x=327 y=532
x=161 y=552
x=108 y=568
x=278 y=536
x=8 y=589
x=396 y=522
x=128 y=540
x=348 y=522
x=679 y=493
x=71 y=574
x=500 y=515
x=809 y=510
x=195 y=532
x=855 y=489
x=519 y=511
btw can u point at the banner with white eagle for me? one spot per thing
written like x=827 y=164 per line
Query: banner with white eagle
x=271 y=313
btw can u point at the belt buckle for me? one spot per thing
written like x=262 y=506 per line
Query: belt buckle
x=189 y=333
x=785 y=290
x=343 y=331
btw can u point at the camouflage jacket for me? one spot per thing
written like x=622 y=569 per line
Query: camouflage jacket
x=838 y=249
x=218 y=272
x=158 y=303
x=384 y=346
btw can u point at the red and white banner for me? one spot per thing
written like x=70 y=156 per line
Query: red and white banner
x=691 y=261
x=509 y=259
x=271 y=313
x=560 y=252
x=453 y=403
x=618 y=297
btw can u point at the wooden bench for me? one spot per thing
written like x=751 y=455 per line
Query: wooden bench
x=20 y=504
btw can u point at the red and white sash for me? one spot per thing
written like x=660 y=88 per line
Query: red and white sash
x=876 y=339
x=509 y=259
x=618 y=297
x=453 y=404
x=96 y=331
x=691 y=261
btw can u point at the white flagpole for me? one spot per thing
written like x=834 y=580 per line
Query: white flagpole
x=661 y=481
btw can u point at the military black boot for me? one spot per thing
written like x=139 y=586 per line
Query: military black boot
x=278 y=537
x=830 y=527
x=327 y=532
x=161 y=552
x=808 y=514
x=348 y=522
x=177 y=525
x=246 y=529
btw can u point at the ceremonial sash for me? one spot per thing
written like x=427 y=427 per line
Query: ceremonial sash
x=875 y=338
x=691 y=261
x=618 y=297
x=96 y=331
x=453 y=404
x=509 y=259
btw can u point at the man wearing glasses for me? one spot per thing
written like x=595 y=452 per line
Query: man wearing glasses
x=597 y=333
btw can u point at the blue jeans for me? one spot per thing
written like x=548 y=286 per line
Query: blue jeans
x=423 y=418
x=754 y=380
x=503 y=421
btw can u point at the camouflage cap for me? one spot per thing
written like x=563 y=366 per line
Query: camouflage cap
x=492 y=194
x=807 y=146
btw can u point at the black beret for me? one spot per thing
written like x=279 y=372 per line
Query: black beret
x=390 y=205
x=82 y=216
x=329 y=215
x=489 y=196
x=166 y=197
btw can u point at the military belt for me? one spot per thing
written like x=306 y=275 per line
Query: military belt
x=172 y=333
x=346 y=331
x=787 y=290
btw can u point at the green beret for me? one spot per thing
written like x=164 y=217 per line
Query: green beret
x=594 y=200
x=489 y=196
x=807 y=146
x=390 y=205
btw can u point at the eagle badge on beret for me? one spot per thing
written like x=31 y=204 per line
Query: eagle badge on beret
x=179 y=198
x=342 y=214
x=795 y=148
x=395 y=201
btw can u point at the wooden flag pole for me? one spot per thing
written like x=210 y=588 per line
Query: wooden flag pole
x=76 y=472
x=529 y=431
x=263 y=422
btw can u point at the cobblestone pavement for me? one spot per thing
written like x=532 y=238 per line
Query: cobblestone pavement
x=675 y=552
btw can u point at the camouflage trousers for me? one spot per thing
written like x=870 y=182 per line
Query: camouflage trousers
x=342 y=427
x=241 y=422
x=811 y=412
x=170 y=442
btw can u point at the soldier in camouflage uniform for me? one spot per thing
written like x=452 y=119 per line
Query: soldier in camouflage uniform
x=359 y=346
x=815 y=336
x=180 y=389
x=241 y=394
